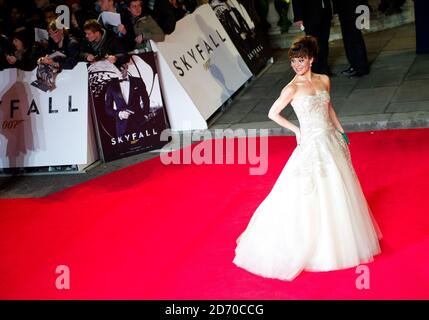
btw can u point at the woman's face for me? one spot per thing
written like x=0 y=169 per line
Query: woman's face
x=301 y=65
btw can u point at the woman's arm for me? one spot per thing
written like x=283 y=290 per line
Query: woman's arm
x=282 y=101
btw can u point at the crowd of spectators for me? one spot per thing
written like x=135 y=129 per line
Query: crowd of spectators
x=89 y=36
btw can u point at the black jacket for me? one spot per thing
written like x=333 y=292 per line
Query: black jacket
x=28 y=62
x=346 y=10
x=129 y=38
x=138 y=103
x=312 y=11
x=163 y=14
x=109 y=46
x=70 y=48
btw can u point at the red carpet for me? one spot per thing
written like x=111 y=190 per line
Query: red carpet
x=152 y=231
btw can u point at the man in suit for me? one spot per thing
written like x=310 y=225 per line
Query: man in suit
x=132 y=104
x=315 y=16
x=354 y=44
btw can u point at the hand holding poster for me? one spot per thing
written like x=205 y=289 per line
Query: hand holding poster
x=111 y=18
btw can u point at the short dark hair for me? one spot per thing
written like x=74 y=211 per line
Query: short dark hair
x=93 y=25
x=128 y=2
x=304 y=46
x=25 y=36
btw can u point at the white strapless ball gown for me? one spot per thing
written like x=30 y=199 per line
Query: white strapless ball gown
x=316 y=217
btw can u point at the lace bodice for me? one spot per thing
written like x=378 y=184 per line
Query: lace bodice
x=313 y=112
x=317 y=134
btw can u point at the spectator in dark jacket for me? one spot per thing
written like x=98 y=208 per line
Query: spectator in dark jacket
x=77 y=20
x=101 y=44
x=133 y=18
x=162 y=12
x=25 y=54
x=60 y=41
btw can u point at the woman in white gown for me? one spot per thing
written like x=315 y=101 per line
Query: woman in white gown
x=316 y=217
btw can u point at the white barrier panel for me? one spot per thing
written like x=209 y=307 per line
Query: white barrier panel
x=248 y=38
x=44 y=128
x=201 y=57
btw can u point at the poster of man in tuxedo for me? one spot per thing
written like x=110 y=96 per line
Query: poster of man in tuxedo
x=246 y=36
x=128 y=106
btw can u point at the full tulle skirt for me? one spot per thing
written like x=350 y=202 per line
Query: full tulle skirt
x=315 y=218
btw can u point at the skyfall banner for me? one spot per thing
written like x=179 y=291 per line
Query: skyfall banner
x=128 y=106
x=204 y=60
x=246 y=36
x=41 y=128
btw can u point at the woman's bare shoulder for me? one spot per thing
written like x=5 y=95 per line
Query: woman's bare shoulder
x=290 y=89
x=323 y=78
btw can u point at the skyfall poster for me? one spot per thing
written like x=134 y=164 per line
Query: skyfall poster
x=128 y=106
